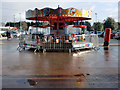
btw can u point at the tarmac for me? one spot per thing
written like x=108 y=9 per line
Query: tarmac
x=84 y=69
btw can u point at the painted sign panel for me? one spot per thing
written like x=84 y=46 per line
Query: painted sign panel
x=72 y=12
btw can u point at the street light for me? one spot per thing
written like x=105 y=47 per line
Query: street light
x=96 y=16
x=20 y=20
x=96 y=21
x=14 y=19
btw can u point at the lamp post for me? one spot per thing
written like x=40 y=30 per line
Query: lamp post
x=36 y=15
x=96 y=21
x=9 y=24
x=14 y=19
x=20 y=20
x=96 y=16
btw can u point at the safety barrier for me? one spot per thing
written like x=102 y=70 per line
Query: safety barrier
x=57 y=45
x=92 y=38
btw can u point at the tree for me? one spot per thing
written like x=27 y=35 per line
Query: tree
x=118 y=26
x=24 y=25
x=17 y=24
x=12 y=24
x=98 y=26
x=28 y=24
x=32 y=23
x=7 y=24
x=88 y=24
x=110 y=23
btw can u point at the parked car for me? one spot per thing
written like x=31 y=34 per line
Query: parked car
x=99 y=33
x=15 y=34
x=22 y=32
x=117 y=35
x=3 y=34
x=102 y=34
x=92 y=32
x=113 y=34
x=117 y=30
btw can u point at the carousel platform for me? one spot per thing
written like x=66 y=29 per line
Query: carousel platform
x=66 y=46
x=82 y=45
x=59 y=46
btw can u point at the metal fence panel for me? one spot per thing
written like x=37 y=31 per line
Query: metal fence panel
x=93 y=38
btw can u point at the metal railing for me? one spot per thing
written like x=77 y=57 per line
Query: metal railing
x=57 y=46
x=89 y=38
x=92 y=38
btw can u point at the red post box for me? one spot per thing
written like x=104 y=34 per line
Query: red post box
x=107 y=36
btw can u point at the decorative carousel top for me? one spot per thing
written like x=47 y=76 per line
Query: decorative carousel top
x=59 y=14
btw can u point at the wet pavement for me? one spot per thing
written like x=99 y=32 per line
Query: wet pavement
x=84 y=69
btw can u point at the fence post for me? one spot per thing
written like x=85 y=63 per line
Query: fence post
x=44 y=50
x=90 y=37
x=69 y=50
x=54 y=45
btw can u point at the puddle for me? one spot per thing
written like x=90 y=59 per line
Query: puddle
x=32 y=82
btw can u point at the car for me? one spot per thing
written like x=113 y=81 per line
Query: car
x=22 y=32
x=99 y=33
x=113 y=34
x=3 y=34
x=117 y=35
x=86 y=32
x=102 y=34
x=117 y=30
x=92 y=32
x=15 y=34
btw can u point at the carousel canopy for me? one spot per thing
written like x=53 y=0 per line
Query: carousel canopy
x=43 y=26
x=59 y=14
x=64 y=25
x=80 y=26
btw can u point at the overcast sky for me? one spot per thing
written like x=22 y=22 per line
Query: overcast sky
x=103 y=8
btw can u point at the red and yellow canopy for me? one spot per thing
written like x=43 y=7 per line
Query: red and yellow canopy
x=59 y=14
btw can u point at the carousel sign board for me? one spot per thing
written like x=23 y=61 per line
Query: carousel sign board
x=48 y=12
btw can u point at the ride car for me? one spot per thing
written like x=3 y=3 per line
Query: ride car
x=117 y=35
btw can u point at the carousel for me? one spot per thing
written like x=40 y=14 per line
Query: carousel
x=55 y=33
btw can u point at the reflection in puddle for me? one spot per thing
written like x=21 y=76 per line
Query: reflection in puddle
x=79 y=80
x=79 y=53
x=32 y=82
x=78 y=84
x=107 y=54
x=48 y=80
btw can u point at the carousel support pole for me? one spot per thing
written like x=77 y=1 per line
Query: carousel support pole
x=65 y=30
x=78 y=24
x=59 y=14
x=58 y=20
x=44 y=50
x=36 y=15
x=96 y=21
x=82 y=28
x=69 y=50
